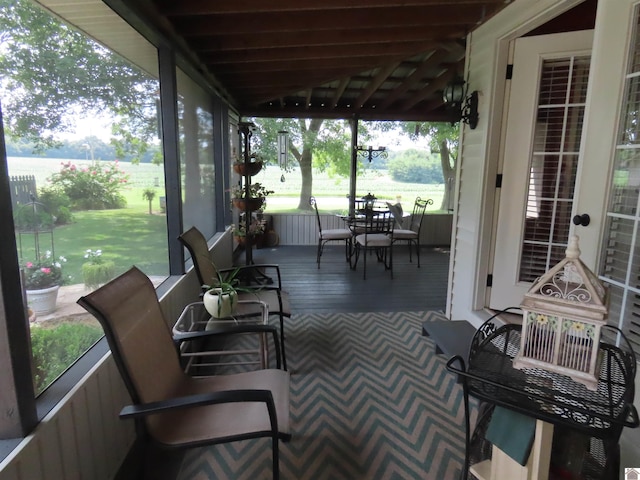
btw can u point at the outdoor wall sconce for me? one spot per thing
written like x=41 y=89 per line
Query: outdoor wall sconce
x=370 y=153
x=463 y=107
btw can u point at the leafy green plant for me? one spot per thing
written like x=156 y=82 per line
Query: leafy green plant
x=54 y=349
x=33 y=217
x=93 y=187
x=96 y=271
x=56 y=202
x=45 y=272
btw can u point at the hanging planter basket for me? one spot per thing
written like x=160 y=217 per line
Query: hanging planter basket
x=248 y=169
x=248 y=204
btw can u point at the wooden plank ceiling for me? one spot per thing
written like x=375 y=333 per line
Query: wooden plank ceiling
x=375 y=59
x=378 y=59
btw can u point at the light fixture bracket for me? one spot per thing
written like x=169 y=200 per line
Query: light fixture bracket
x=461 y=106
x=370 y=153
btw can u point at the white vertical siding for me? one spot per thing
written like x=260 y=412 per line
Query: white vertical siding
x=299 y=229
x=480 y=152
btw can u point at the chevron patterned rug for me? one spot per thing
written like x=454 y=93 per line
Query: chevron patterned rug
x=370 y=399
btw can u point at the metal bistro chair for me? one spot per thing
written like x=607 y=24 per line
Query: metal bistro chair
x=377 y=237
x=171 y=408
x=332 y=235
x=412 y=234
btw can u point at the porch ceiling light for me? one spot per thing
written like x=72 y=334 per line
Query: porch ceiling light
x=462 y=107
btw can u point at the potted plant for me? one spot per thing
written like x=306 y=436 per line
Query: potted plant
x=244 y=236
x=42 y=280
x=250 y=168
x=221 y=297
x=252 y=202
x=96 y=270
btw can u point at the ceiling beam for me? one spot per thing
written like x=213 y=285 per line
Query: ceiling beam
x=339 y=38
x=348 y=19
x=375 y=83
x=203 y=7
x=255 y=57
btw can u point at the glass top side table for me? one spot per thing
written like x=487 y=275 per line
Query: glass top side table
x=200 y=355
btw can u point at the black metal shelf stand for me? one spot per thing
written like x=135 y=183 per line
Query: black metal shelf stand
x=600 y=415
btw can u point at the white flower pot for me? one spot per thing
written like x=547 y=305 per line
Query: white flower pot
x=43 y=301
x=220 y=308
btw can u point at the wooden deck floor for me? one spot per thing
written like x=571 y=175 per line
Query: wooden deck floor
x=334 y=287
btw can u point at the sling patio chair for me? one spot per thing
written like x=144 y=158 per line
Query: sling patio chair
x=332 y=235
x=272 y=294
x=410 y=235
x=171 y=408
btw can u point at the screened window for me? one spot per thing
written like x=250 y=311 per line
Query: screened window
x=195 y=119
x=86 y=166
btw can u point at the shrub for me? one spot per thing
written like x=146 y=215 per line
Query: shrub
x=415 y=170
x=95 y=187
x=56 y=202
x=54 y=349
x=32 y=217
x=97 y=270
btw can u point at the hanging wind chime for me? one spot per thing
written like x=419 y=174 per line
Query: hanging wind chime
x=283 y=151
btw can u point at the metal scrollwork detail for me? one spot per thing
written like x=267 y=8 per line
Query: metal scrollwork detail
x=558 y=288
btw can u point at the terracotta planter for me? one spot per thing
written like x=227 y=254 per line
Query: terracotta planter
x=248 y=204
x=43 y=301
x=247 y=169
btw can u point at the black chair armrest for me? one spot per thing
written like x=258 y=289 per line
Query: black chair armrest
x=201 y=400
x=261 y=274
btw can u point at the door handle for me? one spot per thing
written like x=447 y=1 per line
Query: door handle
x=583 y=219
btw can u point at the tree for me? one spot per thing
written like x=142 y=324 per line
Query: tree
x=313 y=143
x=51 y=73
x=149 y=194
x=443 y=138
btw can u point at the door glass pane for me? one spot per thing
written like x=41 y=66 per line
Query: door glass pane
x=620 y=256
x=554 y=161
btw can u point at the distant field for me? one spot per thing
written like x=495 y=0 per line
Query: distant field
x=332 y=191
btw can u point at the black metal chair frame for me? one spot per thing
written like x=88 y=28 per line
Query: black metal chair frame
x=415 y=226
x=333 y=235
x=377 y=237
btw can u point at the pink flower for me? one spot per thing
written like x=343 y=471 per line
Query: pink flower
x=29 y=264
x=46 y=270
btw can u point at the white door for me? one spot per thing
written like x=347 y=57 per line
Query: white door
x=542 y=146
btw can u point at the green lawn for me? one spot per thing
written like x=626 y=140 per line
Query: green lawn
x=131 y=236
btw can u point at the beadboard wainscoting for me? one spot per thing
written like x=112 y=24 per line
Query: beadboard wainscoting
x=302 y=229
x=82 y=438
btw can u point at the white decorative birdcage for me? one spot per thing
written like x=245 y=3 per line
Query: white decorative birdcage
x=563 y=313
